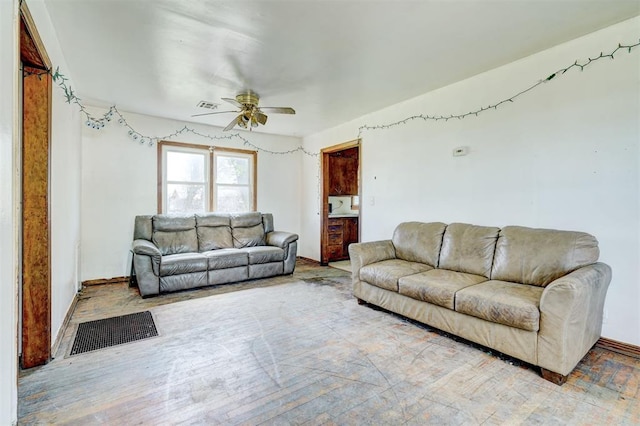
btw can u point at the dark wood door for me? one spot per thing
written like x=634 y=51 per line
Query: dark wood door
x=340 y=175
x=36 y=264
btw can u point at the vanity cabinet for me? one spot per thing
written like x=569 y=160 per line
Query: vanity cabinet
x=341 y=231
x=343 y=172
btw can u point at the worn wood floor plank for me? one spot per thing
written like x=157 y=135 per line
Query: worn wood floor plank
x=300 y=350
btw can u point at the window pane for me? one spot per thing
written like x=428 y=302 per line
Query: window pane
x=185 y=166
x=232 y=170
x=232 y=199
x=185 y=198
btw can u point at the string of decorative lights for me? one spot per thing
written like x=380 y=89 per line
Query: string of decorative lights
x=495 y=106
x=113 y=113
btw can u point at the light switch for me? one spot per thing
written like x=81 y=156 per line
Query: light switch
x=460 y=151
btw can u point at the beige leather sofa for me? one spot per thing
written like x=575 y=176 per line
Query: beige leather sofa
x=534 y=294
x=172 y=253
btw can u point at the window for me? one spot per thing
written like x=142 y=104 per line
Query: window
x=196 y=178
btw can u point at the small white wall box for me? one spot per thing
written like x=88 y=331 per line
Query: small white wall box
x=460 y=151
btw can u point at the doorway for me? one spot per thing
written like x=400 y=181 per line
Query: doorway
x=340 y=217
x=34 y=170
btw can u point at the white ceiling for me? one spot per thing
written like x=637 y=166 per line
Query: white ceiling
x=332 y=61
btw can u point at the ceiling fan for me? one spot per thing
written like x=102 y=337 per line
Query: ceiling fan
x=250 y=114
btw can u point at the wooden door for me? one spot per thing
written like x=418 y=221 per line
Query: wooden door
x=328 y=246
x=36 y=265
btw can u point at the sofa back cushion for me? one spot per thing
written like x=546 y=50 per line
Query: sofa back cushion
x=247 y=230
x=214 y=231
x=468 y=248
x=419 y=242
x=143 y=228
x=539 y=256
x=175 y=234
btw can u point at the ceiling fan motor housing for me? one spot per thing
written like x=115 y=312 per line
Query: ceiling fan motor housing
x=248 y=98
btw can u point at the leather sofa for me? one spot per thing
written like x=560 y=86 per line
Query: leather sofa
x=534 y=294
x=172 y=253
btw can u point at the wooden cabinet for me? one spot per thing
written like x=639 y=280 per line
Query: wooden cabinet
x=343 y=172
x=341 y=231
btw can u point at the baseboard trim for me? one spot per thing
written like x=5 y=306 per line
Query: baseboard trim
x=103 y=281
x=65 y=324
x=619 y=347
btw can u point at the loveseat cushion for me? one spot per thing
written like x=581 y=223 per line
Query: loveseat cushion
x=385 y=274
x=214 y=232
x=419 y=242
x=226 y=258
x=264 y=254
x=175 y=234
x=468 y=248
x=513 y=304
x=247 y=230
x=182 y=263
x=539 y=256
x=437 y=286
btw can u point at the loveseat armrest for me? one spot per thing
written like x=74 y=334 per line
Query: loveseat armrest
x=571 y=309
x=280 y=239
x=146 y=248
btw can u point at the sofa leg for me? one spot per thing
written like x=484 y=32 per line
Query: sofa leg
x=555 y=378
x=361 y=302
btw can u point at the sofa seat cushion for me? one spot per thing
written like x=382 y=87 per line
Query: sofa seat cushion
x=385 y=274
x=513 y=304
x=437 y=286
x=182 y=263
x=226 y=258
x=264 y=254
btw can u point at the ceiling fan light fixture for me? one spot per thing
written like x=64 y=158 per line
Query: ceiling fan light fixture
x=250 y=114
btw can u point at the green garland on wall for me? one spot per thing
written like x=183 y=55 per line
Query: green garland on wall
x=560 y=72
x=114 y=114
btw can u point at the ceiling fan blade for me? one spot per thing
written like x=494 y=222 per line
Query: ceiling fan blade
x=215 y=112
x=232 y=124
x=233 y=102
x=278 y=110
x=260 y=117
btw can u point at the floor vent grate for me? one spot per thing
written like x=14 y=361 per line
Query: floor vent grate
x=99 y=334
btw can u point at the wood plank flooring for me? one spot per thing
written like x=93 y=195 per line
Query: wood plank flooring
x=300 y=350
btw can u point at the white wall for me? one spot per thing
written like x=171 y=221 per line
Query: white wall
x=564 y=156
x=8 y=252
x=119 y=181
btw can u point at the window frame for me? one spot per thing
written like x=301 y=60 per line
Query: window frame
x=210 y=191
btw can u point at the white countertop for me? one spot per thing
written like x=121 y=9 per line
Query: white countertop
x=334 y=215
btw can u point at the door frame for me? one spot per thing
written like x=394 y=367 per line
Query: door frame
x=34 y=192
x=324 y=193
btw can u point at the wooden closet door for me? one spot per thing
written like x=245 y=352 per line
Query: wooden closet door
x=36 y=268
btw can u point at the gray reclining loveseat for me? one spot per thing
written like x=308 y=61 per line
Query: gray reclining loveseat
x=172 y=253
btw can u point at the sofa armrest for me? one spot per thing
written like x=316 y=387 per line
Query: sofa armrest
x=146 y=263
x=363 y=254
x=146 y=248
x=280 y=239
x=571 y=317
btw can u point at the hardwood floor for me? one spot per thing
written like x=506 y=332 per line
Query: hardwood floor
x=300 y=350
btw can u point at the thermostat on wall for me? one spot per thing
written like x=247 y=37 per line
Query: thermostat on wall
x=460 y=151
